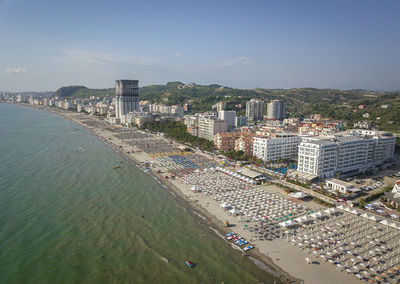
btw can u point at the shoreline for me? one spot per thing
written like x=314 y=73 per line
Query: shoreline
x=261 y=260
x=276 y=257
x=285 y=259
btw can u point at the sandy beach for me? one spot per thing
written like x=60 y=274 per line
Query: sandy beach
x=277 y=256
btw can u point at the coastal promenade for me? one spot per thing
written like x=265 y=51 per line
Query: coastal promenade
x=306 y=190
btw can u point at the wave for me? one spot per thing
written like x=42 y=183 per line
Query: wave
x=261 y=265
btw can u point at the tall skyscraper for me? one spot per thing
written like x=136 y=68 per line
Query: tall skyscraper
x=255 y=110
x=127 y=97
x=276 y=110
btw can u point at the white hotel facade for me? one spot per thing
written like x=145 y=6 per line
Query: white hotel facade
x=278 y=146
x=351 y=152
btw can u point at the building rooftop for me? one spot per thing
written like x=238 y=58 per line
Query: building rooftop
x=228 y=134
x=319 y=141
x=337 y=181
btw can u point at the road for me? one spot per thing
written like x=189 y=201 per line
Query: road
x=306 y=190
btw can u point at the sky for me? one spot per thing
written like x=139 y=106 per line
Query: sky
x=47 y=44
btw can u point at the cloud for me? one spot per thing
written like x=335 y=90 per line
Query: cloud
x=239 y=60
x=178 y=53
x=18 y=70
x=86 y=57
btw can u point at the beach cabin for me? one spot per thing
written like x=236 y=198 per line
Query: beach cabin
x=341 y=186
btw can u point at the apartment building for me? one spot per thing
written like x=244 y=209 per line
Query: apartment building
x=241 y=121
x=276 y=110
x=192 y=124
x=255 y=110
x=208 y=127
x=225 y=141
x=245 y=143
x=276 y=146
x=229 y=116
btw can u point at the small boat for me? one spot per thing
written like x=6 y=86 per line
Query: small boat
x=226 y=224
x=116 y=167
x=189 y=263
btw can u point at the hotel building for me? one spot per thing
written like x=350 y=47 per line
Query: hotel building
x=346 y=153
x=276 y=146
x=127 y=97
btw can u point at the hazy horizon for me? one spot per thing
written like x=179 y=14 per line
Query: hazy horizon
x=141 y=86
x=262 y=44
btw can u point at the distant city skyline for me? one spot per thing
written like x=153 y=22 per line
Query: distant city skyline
x=241 y=44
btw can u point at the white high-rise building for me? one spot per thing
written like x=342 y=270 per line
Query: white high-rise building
x=346 y=153
x=276 y=110
x=255 y=110
x=127 y=97
x=278 y=146
x=229 y=116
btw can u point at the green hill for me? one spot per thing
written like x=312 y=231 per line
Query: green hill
x=334 y=103
x=82 y=92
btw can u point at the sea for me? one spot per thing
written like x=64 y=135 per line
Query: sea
x=67 y=216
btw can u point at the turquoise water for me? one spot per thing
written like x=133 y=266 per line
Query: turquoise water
x=66 y=216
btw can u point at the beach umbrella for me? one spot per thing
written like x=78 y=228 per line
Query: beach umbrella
x=354 y=211
x=365 y=215
x=384 y=222
x=225 y=205
x=347 y=209
x=374 y=218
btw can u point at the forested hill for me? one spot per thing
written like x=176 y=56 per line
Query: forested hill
x=334 y=103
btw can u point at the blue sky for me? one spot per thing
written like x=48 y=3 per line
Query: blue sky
x=245 y=44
